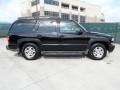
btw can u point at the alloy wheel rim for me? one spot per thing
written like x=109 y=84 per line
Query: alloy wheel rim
x=30 y=52
x=98 y=52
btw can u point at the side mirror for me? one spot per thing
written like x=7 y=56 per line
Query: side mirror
x=79 y=32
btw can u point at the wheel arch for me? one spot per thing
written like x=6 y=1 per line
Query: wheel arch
x=21 y=42
x=104 y=42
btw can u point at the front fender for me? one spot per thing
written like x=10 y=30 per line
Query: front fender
x=101 y=40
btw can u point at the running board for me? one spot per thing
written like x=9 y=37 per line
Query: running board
x=63 y=52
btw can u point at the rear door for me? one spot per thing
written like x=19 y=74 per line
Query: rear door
x=47 y=34
x=72 y=37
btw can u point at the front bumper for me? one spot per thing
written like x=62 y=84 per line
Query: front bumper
x=111 y=47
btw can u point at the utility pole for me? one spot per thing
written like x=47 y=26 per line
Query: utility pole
x=37 y=6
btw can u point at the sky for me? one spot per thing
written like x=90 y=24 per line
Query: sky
x=11 y=9
x=110 y=8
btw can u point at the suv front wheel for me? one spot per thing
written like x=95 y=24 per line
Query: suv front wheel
x=30 y=51
x=97 y=51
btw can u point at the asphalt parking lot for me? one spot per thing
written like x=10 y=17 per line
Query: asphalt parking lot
x=58 y=73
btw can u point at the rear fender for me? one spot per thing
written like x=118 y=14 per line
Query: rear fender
x=28 y=40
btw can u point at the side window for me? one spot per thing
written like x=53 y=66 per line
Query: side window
x=47 y=26
x=69 y=27
x=23 y=26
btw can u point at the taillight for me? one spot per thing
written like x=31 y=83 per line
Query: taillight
x=8 y=40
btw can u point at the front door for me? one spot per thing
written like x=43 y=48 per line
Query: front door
x=72 y=37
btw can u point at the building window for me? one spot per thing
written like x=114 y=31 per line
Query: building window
x=75 y=18
x=65 y=16
x=35 y=2
x=82 y=9
x=102 y=20
x=49 y=13
x=75 y=8
x=36 y=14
x=64 y=5
x=82 y=19
x=52 y=2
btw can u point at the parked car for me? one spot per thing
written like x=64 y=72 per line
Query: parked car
x=34 y=37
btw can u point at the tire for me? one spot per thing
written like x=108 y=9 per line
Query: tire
x=97 y=51
x=30 y=51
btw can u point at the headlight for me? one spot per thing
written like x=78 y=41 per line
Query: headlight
x=113 y=39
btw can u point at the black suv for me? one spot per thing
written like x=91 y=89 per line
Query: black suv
x=33 y=37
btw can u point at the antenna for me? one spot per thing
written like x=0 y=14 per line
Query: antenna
x=37 y=6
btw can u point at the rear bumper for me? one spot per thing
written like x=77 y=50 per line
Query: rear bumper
x=111 y=47
x=12 y=47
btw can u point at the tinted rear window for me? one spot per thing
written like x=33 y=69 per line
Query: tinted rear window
x=22 y=26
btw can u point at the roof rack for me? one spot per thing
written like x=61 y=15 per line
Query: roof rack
x=46 y=17
x=30 y=17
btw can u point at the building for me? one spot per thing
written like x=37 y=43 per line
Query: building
x=67 y=9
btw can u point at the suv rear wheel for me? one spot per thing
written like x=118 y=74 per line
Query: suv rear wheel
x=30 y=51
x=97 y=51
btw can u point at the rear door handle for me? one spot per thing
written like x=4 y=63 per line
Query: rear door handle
x=39 y=36
x=61 y=36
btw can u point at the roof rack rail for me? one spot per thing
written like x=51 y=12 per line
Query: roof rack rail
x=26 y=18
x=37 y=17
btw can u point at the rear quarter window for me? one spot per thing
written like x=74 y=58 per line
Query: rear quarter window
x=22 y=26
